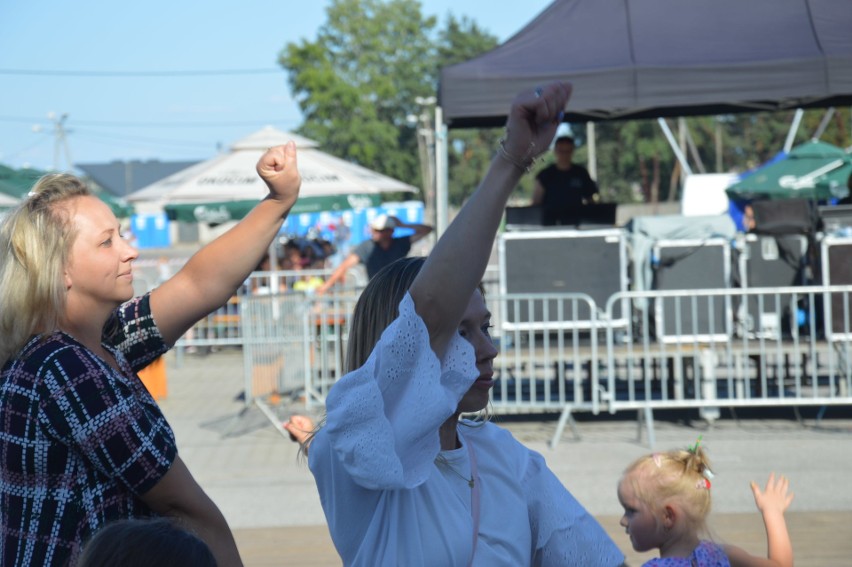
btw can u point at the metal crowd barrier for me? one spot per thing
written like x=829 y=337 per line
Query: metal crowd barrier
x=295 y=342
x=223 y=327
x=293 y=346
x=707 y=349
x=642 y=351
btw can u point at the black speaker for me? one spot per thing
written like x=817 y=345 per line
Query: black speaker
x=769 y=262
x=836 y=218
x=593 y=215
x=837 y=270
x=592 y=262
x=691 y=265
x=523 y=218
x=785 y=216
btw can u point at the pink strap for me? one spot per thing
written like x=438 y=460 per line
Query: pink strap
x=474 y=496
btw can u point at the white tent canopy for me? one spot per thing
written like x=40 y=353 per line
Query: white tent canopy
x=231 y=176
x=7 y=201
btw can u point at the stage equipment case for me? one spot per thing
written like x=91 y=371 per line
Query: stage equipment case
x=562 y=261
x=837 y=270
x=692 y=264
x=765 y=262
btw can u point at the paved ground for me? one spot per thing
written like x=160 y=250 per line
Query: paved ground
x=267 y=494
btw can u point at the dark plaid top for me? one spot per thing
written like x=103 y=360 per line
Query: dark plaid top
x=78 y=440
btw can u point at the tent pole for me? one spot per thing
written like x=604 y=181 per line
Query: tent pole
x=592 y=150
x=826 y=118
x=675 y=148
x=693 y=150
x=441 y=173
x=718 y=136
x=681 y=143
x=794 y=127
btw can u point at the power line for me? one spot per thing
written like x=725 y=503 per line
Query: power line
x=20 y=119
x=110 y=124
x=15 y=154
x=94 y=135
x=176 y=73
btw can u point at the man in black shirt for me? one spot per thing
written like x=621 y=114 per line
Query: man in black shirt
x=563 y=187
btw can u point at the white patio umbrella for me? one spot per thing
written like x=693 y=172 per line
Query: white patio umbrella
x=7 y=201
x=227 y=186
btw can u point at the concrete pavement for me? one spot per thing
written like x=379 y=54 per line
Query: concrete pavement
x=267 y=494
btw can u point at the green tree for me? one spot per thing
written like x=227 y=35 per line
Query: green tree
x=357 y=82
x=635 y=161
x=469 y=150
x=358 y=85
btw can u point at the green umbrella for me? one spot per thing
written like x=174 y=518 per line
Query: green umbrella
x=18 y=182
x=813 y=170
x=223 y=211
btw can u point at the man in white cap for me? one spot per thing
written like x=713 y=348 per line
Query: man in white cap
x=380 y=250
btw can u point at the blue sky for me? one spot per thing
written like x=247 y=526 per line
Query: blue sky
x=155 y=117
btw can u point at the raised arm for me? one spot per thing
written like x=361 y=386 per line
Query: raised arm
x=455 y=267
x=215 y=272
x=420 y=230
x=339 y=273
x=772 y=502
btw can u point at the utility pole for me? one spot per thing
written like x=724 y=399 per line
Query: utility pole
x=60 y=140
x=426 y=148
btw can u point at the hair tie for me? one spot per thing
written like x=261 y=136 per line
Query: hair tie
x=657 y=460
x=694 y=447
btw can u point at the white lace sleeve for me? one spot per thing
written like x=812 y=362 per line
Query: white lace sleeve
x=563 y=532
x=383 y=418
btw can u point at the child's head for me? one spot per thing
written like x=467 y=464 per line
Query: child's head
x=144 y=542
x=665 y=495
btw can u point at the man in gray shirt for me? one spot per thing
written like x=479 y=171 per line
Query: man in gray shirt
x=380 y=250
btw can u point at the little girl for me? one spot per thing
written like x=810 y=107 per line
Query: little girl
x=666 y=499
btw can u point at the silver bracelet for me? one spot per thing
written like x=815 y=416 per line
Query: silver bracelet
x=525 y=163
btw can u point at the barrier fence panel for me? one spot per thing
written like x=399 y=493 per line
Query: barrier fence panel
x=779 y=347
x=572 y=357
x=327 y=325
x=274 y=338
x=547 y=347
x=294 y=342
x=642 y=351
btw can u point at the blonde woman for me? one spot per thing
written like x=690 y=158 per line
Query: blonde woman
x=82 y=442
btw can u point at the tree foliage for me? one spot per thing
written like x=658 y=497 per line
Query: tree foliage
x=358 y=82
x=636 y=163
x=470 y=150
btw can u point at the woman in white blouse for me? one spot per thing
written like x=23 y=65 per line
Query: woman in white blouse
x=403 y=480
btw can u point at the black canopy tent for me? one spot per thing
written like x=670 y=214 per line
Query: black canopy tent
x=630 y=59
